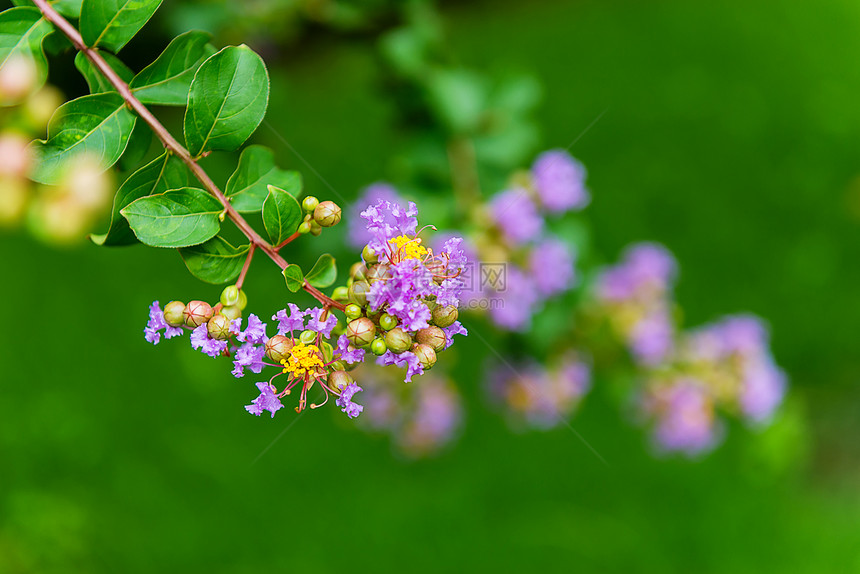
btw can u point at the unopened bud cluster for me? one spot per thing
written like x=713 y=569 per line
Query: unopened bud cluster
x=318 y=215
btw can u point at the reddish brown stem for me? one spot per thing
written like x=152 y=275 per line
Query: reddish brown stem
x=170 y=142
x=287 y=241
x=246 y=266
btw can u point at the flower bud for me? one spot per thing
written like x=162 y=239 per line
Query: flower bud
x=304 y=228
x=174 y=313
x=361 y=331
x=230 y=296
x=398 y=340
x=340 y=294
x=232 y=312
x=426 y=355
x=357 y=271
x=310 y=203
x=196 y=313
x=337 y=380
x=316 y=229
x=308 y=337
x=378 y=347
x=278 y=348
x=338 y=366
x=327 y=214
x=219 y=327
x=352 y=311
x=433 y=337
x=445 y=316
x=369 y=255
x=243 y=300
x=327 y=351
x=387 y=322
x=358 y=293
x=380 y=272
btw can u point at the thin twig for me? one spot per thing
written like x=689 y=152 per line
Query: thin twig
x=245 y=267
x=287 y=241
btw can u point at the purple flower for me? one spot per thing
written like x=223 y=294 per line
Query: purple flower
x=437 y=417
x=686 y=419
x=469 y=288
x=250 y=356
x=652 y=338
x=294 y=321
x=344 y=401
x=551 y=265
x=321 y=326
x=645 y=268
x=560 y=181
x=357 y=232
x=348 y=354
x=516 y=216
x=387 y=220
x=156 y=324
x=200 y=340
x=406 y=359
x=267 y=401
x=255 y=332
x=763 y=391
x=456 y=328
x=403 y=293
x=514 y=307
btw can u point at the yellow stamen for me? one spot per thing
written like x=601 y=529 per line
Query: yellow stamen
x=407 y=248
x=302 y=360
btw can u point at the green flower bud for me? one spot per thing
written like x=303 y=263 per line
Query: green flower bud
x=380 y=272
x=174 y=313
x=337 y=380
x=243 y=300
x=327 y=351
x=230 y=296
x=339 y=328
x=327 y=214
x=387 y=322
x=219 y=327
x=340 y=294
x=357 y=271
x=361 y=331
x=310 y=203
x=358 y=293
x=316 y=229
x=196 y=313
x=232 y=312
x=304 y=228
x=338 y=366
x=426 y=355
x=433 y=337
x=278 y=348
x=369 y=255
x=352 y=311
x=308 y=337
x=398 y=340
x=378 y=347
x=445 y=316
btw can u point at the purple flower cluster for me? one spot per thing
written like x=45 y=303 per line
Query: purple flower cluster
x=684 y=413
x=357 y=233
x=559 y=181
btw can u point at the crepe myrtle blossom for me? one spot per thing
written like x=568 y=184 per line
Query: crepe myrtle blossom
x=516 y=216
x=357 y=233
x=157 y=324
x=559 y=181
x=684 y=418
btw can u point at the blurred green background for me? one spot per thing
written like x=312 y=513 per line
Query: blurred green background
x=731 y=134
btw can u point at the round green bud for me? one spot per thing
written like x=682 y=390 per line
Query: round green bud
x=310 y=203
x=174 y=313
x=316 y=229
x=308 y=337
x=243 y=300
x=340 y=327
x=380 y=272
x=340 y=294
x=369 y=255
x=196 y=313
x=361 y=331
x=338 y=366
x=378 y=347
x=352 y=311
x=445 y=316
x=358 y=293
x=358 y=271
x=327 y=214
x=398 y=340
x=387 y=322
x=304 y=228
x=426 y=355
x=219 y=327
x=338 y=380
x=327 y=351
x=230 y=296
x=278 y=348
x=433 y=337
x=232 y=312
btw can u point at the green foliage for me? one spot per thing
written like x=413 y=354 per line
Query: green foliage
x=294 y=277
x=282 y=215
x=112 y=23
x=247 y=187
x=227 y=100
x=215 y=261
x=176 y=218
x=324 y=272
x=68 y=8
x=161 y=174
x=96 y=81
x=97 y=126
x=166 y=81
x=22 y=31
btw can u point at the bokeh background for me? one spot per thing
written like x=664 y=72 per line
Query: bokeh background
x=730 y=133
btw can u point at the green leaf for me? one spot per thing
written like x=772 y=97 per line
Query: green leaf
x=112 y=23
x=324 y=272
x=159 y=175
x=176 y=218
x=22 y=31
x=282 y=215
x=215 y=261
x=67 y=8
x=167 y=80
x=458 y=98
x=227 y=100
x=247 y=188
x=294 y=276
x=97 y=126
x=137 y=148
x=97 y=83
